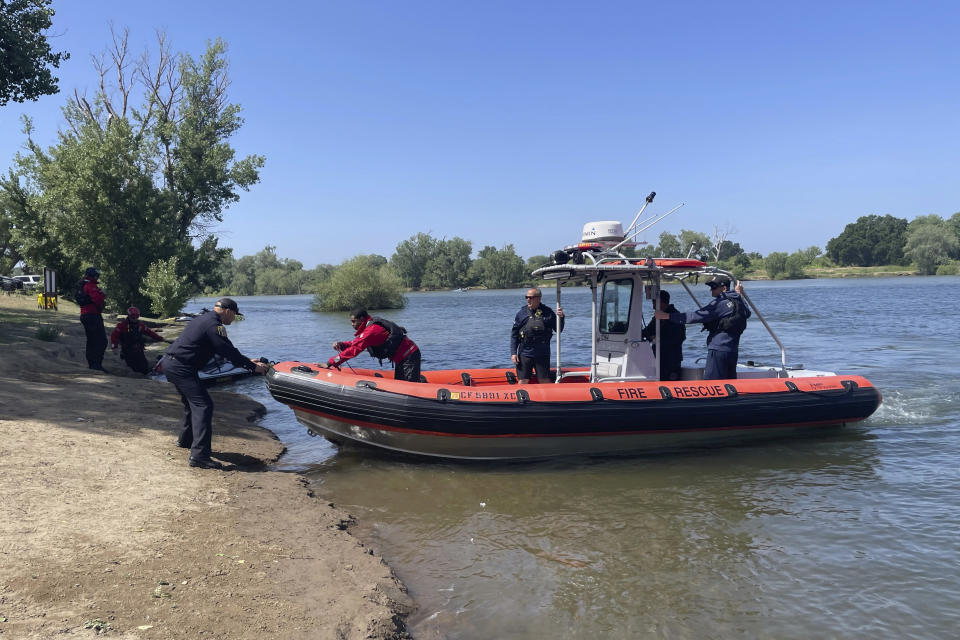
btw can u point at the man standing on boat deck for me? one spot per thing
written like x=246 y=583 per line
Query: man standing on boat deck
x=382 y=339
x=530 y=336
x=725 y=317
x=672 y=336
x=203 y=336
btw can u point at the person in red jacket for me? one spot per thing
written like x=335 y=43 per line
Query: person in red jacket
x=382 y=339
x=131 y=335
x=91 y=301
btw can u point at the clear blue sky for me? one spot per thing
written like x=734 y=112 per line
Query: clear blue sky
x=517 y=122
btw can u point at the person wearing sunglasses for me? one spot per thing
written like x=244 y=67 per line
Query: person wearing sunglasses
x=533 y=327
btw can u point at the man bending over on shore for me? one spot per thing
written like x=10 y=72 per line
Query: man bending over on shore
x=203 y=336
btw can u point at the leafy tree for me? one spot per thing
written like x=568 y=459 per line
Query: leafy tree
x=357 y=283
x=317 y=276
x=808 y=255
x=668 y=247
x=742 y=261
x=126 y=185
x=794 y=264
x=775 y=264
x=167 y=291
x=449 y=267
x=535 y=262
x=207 y=265
x=243 y=278
x=870 y=241
x=96 y=203
x=9 y=250
x=375 y=260
x=411 y=257
x=25 y=55
x=499 y=269
x=703 y=247
x=729 y=250
x=931 y=244
x=954 y=223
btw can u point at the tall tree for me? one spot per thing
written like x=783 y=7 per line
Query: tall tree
x=25 y=55
x=695 y=245
x=499 y=268
x=930 y=242
x=870 y=241
x=131 y=183
x=411 y=257
x=449 y=266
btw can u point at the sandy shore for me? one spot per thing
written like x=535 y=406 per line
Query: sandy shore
x=104 y=529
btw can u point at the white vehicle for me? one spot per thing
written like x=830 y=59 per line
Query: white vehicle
x=29 y=282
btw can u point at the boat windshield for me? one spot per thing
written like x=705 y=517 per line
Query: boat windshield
x=615 y=306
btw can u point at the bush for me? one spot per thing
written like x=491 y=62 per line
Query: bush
x=48 y=333
x=358 y=282
x=167 y=291
x=949 y=269
x=775 y=264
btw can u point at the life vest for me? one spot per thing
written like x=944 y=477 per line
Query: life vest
x=534 y=330
x=133 y=337
x=388 y=348
x=735 y=323
x=80 y=296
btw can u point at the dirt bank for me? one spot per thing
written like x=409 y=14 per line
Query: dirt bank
x=104 y=529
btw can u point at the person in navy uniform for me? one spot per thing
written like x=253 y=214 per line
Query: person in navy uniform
x=533 y=327
x=718 y=317
x=203 y=337
x=672 y=336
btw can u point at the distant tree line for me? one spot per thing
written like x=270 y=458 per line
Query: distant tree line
x=929 y=242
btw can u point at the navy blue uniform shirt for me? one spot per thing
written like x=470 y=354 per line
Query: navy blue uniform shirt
x=720 y=307
x=204 y=336
x=539 y=347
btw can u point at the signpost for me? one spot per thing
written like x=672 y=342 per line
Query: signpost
x=48 y=299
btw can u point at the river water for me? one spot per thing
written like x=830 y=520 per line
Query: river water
x=851 y=534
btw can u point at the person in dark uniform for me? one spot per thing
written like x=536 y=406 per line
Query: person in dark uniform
x=91 y=301
x=381 y=339
x=533 y=327
x=131 y=336
x=672 y=336
x=203 y=336
x=720 y=318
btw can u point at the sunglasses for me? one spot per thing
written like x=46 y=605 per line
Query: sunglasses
x=531 y=297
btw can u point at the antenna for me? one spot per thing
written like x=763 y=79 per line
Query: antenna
x=648 y=200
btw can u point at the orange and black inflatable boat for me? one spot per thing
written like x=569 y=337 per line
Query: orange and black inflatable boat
x=484 y=414
x=617 y=404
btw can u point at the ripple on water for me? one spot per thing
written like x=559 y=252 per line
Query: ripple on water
x=852 y=534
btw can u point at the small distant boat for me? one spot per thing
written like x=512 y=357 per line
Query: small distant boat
x=458 y=290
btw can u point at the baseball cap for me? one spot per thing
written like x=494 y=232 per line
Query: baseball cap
x=228 y=303
x=717 y=281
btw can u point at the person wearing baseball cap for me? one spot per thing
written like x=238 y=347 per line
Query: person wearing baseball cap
x=725 y=317
x=203 y=337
